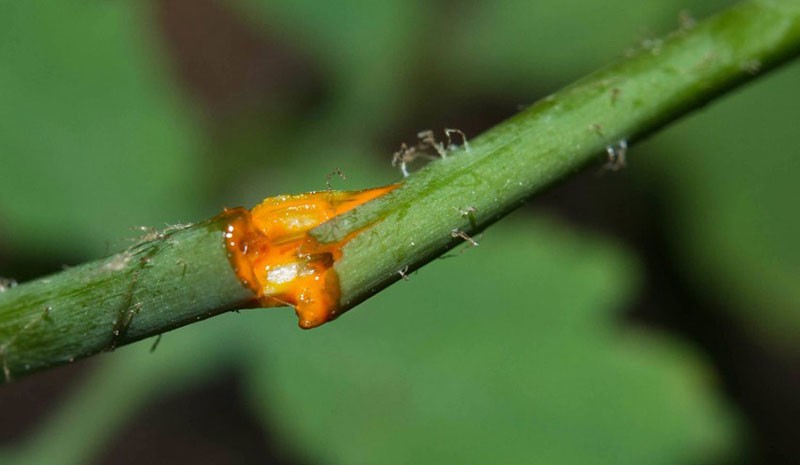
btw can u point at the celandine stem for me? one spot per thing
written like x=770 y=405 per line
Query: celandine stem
x=184 y=276
x=176 y=278
x=611 y=108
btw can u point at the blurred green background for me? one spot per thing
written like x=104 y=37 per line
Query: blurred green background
x=646 y=316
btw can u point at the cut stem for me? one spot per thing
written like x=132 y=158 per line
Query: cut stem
x=184 y=276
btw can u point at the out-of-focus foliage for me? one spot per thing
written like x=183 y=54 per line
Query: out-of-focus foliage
x=730 y=174
x=457 y=365
x=367 y=49
x=92 y=137
x=511 y=352
x=494 y=45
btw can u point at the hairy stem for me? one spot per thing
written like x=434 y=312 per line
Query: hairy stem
x=624 y=102
x=182 y=276
x=174 y=279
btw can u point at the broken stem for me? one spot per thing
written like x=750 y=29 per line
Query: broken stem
x=183 y=276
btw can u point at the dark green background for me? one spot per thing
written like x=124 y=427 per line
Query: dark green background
x=644 y=316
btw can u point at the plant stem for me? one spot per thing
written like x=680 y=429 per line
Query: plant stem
x=174 y=279
x=626 y=101
x=184 y=275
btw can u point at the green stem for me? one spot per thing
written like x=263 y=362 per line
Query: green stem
x=174 y=279
x=184 y=276
x=558 y=135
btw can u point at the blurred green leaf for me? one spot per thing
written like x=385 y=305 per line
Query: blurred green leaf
x=367 y=53
x=93 y=140
x=503 y=354
x=124 y=383
x=366 y=49
x=520 y=43
x=730 y=177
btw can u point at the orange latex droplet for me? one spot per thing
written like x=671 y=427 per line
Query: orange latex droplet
x=273 y=254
